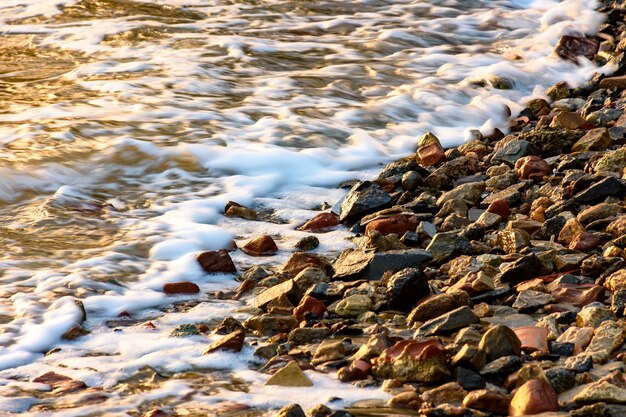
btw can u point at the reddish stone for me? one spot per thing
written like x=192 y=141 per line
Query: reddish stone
x=578 y=295
x=501 y=208
x=532 y=167
x=155 y=412
x=181 y=288
x=571 y=47
x=309 y=305
x=533 y=338
x=60 y=384
x=148 y=325
x=233 y=341
x=299 y=261
x=430 y=155
x=244 y=287
x=357 y=371
x=216 y=262
x=261 y=246
x=124 y=314
x=585 y=242
x=579 y=336
x=487 y=400
x=417 y=350
x=396 y=224
x=322 y=222
x=534 y=397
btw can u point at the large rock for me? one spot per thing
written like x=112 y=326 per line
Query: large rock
x=601 y=391
x=454 y=320
x=594 y=140
x=448 y=244
x=411 y=361
x=609 y=186
x=356 y=264
x=216 y=262
x=405 y=287
x=364 y=198
x=534 y=397
x=429 y=151
x=300 y=261
x=260 y=246
x=500 y=341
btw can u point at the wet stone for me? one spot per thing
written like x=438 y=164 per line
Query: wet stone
x=287 y=289
x=307 y=243
x=410 y=361
x=353 y=305
x=290 y=376
x=364 y=198
x=231 y=342
x=291 y=410
x=216 y=262
x=322 y=222
x=488 y=401
x=181 y=288
x=594 y=140
x=260 y=246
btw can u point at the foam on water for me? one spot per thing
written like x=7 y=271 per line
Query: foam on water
x=117 y=177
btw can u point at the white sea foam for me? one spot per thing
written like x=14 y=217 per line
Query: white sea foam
x=124 y=181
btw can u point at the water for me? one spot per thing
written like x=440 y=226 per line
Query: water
x=126 y=126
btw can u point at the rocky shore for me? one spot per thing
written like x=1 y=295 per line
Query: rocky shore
x=488 y=279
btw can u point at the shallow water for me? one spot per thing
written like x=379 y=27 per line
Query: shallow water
x=126 y=126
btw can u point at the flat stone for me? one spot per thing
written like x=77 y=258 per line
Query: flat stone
x=290 y=376
x=353 y=305
x=571 y=47
x=533 y=338
x=454 y=320
x=608 y=336
x=606 y=187
x=513 y=241
x=501 y=367
x=529 y=301
x=601 y=391
x=300 y=261
x=267 y=324
x=488 y=401
x=60 y=384
x=511 y=194
x=445 y=245
x=450 y=393
x=364 y=198
x=520 y=270
x=593 y=316
x=287 y=289
x=617 y=227
x=567 y=120
x=354 y=264
x=438 y=304
x=594 y=140
x=577 y=295
x=469 y=192
x=614 y=83
x=513 y=151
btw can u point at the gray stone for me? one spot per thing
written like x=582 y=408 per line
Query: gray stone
x=529 y=301
x=353 y=305
x=454 y=320
x=561 y=379
x=607 y=337
x=405 y=287
x=513 y=151
x=354 y=264
x=364 y=198
x=288 y=289
x=500 y=341
x=445 y=245
x=469 y=192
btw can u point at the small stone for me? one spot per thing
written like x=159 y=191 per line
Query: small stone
x=411 y=361
x=533 y=339
x=216 y=262
x=322 y=222
x=232 y=342
x=395 y=224
x=448 y=244
x=601 y=391
x=291 y=410
x=470 y=193
x=513 y=241
x=558 y=91
x=488 y=401
x=580 y=337
x=579 y=364
x=75 y=332
x=429 y=151
x=353 y=305
x=577 y=295
x=532 y=167
x=594 y=140
x=469 y=357
x=260 y=246
x=500 y=341
x=561 y=379
x=290 y=376
x=406 y=399
x=614 y=83
x=572 y=47
x=228 y=325
x=357 y=371
x=356 y=264
x=598 y=212
x=454 y=320
x=237 y=210
x=567 y=120
x=300 y=261
x=513 y=151
x=468 y=379
x=172 y=288
x=499 y=207
x=608 y=336
x=270 y=323
x=520 y=270
x=593 y=316
x=287 y=289
x=571 y=230
x=534 y=397
x=438 y=304
x=329 y=350
x=309 y=305
x=307 y=243
x=185 y=330
x=405 y=287
x=60 y=384
x=584 y=242
x=450 y=393
x=501 y=367
x=364 y=198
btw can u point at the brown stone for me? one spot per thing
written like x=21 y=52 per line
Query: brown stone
x=532 y=167
x=617 y=227
x=594 y=140
x=567 y=120
x=579 y=336
x=299 y=261
x=396 y=224
x=411 y=361
x=60 y=384
x=438 y=304
x=578 y=295
x=357 y=371
x=181 y=288
x=571 y=47
x=309 y=305
x=429 y=151
x=501 y=208
x=261 y=246
x=216 y=262
x=487 y=400
x=534 y=397
x=533 y=338
x=155 y=412
x=233 y=209
x=322 y=222
x=570 y=231
x=232 y=341
x=585 y=242
x=451 y=393
x=616 y=281
x=406 y=399
x=613 y=83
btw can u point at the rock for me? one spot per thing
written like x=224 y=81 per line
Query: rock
x=500 y=341
x=375 y=345
x=558 y=91
x=454 y=320
x=579 y=364
x=303 y=335
x=450 y=393
x=580 y=337
x=532 y=167
x=172 y=288
x=594 y=140
x=513 y=151
x=469 y=357
x=376 y=242
x=533 y=339
x=606 y=187
x=569 y=261
x=309 y=277
x=438 y=304
x=501 y=367
x=468 y=379
x=567 y=120
x=608 y=336
x=534 y=397
x=353 y=305
x=572 y=47
x=364 y=198
x=270 y=323
x=616 y=281
x=309 y=305
x=552 y=142
x=216 y=262
x=233 y=209
x=603 y=117
x=561 y=379
x=322 y=222
x=228 y=325
x=570 y=231
x=399 y=225
x=307 y=243
x=601 y=391
x=261 y=246
x=291 y=410
x=185 y=330
x=300 y=261
x=614 y=83
x=448 y=244
x=499 y=207
x=617 y=227
x=75 y=332
x=60 y=384
x=233 y=342
x=612 y=161
x=411 y=361
x=357 y=371
x=429 y=151
x=469 y=193
x=577 y=295
x=405 y=399
x=290 y=376
x=488 y=401
x=405 y=287
x=329 y=350
x=287 y=289
x=512 y=194
x=584 y=242
x=593 y=316
x=411 y=180
x=520 y=270
x=355 y=264
x=513 y=241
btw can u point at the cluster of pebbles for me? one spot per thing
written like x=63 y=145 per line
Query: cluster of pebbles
x=488 y=279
